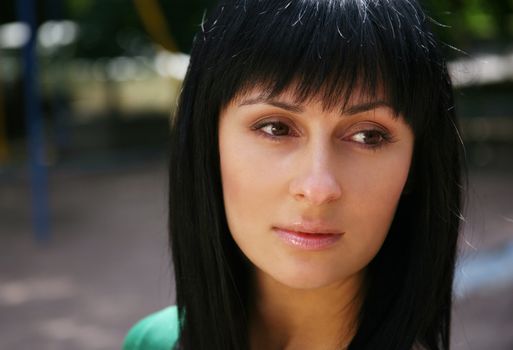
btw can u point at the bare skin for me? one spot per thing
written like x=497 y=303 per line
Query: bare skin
x=297 y=170
x=287 y=318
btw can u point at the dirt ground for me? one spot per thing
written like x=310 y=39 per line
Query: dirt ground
x=107 y=263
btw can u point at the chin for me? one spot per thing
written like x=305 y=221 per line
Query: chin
x=307 y=284
x=298 y=278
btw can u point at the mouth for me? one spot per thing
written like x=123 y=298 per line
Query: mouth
x=308 y=238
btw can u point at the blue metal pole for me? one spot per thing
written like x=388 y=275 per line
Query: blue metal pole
x=34 y=123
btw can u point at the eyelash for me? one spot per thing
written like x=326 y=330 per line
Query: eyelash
x=259 y=126
x=385 y=136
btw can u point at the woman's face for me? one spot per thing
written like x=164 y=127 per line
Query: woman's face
x=310 y=194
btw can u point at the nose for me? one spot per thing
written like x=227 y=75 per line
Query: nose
x=316 y=182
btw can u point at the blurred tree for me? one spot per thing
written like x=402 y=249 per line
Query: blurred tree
x=8 y=12
x=469 y=24
x=184 y=18
x=116 y=27
x=132 y=28
x=106 y=26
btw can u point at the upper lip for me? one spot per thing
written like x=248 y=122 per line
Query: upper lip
x=312 y=228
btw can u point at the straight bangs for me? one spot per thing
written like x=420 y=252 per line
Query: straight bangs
x=327 y=51
x=322 y=50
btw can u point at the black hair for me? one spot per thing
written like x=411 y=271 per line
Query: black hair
x=324 y=49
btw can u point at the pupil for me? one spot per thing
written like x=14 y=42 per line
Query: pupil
x=279 y=129
x=372 y=137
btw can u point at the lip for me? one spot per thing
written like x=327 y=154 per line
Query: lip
x=310 y=227
x=308 y=237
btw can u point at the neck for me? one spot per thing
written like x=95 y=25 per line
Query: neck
x=289 y=318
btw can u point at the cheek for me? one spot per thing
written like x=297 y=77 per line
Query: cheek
x=372 y=193
x=378 y=181
x=256 y=195
x=247 y=186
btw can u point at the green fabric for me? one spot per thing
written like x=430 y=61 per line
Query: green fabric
x=158 y=331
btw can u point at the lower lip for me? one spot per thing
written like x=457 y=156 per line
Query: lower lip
x=308 y=241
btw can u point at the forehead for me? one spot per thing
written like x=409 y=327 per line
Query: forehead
x=292 y=94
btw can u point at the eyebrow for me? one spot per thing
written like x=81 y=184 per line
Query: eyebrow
x=280 y=104
x=365 y=107
x=296 y=108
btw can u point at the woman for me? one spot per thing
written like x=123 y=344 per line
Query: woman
x=314 y=183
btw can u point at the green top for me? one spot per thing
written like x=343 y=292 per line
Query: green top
x=158 y=331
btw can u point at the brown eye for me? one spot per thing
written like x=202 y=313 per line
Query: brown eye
x=371 y=138
x=368 y=137
x=275 y=129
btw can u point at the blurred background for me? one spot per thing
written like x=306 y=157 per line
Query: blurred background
x=87 y=89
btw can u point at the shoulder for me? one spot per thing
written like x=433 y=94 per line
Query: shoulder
x=158 y=331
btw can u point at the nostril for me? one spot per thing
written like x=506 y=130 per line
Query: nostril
x=299 y=196
x=316 y=189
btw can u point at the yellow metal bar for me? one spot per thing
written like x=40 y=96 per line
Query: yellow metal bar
x=155 y=23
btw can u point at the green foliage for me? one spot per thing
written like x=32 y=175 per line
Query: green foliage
x=107 y=28
x=79 y=7
x=113 y=27
x=469 y=23
x=184 y=19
